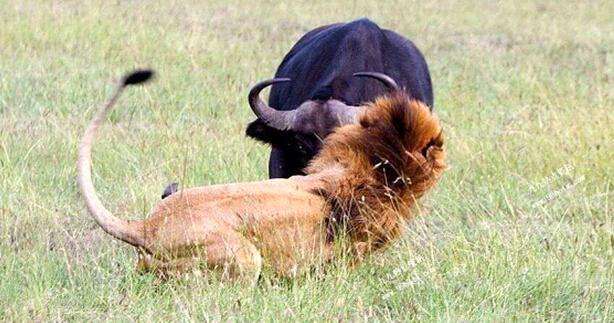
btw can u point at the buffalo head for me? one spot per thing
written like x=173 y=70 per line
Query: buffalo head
x=312 y=117
x=299 y=133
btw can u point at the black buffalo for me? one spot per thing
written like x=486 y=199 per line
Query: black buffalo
x=315 y=89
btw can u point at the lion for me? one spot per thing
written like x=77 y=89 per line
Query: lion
x=360 y=188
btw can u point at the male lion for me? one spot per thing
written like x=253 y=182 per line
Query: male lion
x=358 y=188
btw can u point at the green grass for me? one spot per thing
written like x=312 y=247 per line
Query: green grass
x=520 y=227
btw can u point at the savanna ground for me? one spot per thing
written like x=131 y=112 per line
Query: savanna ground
x=520 y=226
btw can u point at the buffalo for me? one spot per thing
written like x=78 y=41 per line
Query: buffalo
x=323 y=82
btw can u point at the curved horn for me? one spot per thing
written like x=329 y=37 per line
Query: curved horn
x=385 y=79
x=277 y=119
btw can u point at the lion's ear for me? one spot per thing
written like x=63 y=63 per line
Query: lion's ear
x=436 y=141
x=435 y=154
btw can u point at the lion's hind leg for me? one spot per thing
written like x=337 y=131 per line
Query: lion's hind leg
x=237 y=256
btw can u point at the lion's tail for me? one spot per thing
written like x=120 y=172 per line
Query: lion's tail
x=127 y=231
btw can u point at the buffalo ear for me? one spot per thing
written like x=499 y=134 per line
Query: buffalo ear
x=260 y=131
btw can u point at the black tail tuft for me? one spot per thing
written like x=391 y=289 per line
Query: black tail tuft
x=137 y=77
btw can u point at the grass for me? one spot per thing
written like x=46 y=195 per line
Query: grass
x=519 y=228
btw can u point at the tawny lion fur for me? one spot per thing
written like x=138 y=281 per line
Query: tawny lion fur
x=360 y=186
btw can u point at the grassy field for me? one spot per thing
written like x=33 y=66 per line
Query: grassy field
x=520 y=227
